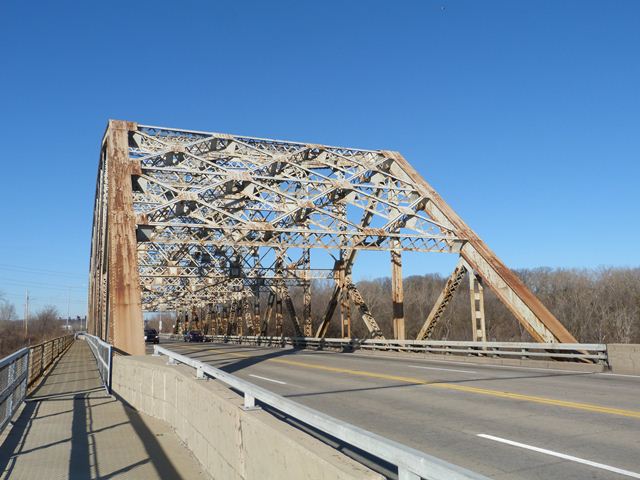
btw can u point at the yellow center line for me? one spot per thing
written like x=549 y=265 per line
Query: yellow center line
x=363 y=373
x=461 y=388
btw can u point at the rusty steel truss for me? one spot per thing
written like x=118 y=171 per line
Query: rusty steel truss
x=186 y=219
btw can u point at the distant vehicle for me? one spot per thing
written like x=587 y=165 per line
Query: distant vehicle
x=194 y=336
x=151 y=335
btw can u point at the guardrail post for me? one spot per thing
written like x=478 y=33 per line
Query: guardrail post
x=11 y=375
x=200 y=374
x=249 y=403
x=26 y=378
x=41 y=361
x=172 y=361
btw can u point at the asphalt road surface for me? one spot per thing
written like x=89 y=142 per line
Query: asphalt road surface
x=503 y=422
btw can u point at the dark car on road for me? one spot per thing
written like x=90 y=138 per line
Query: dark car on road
x=194 y=336
x=151 y=335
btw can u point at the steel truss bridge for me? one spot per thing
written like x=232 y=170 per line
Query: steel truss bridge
x=187 y=220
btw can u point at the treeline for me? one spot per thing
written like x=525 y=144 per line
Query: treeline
x=43 y=326
x=595 y=305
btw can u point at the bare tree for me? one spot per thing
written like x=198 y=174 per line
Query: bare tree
x=7 y=310
x=596 y=305
x=46 y=324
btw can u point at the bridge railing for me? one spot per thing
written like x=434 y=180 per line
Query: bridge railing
x=102 y=351
x=42 y=356
x=579 y=352
x=14 y=372
x=22 y=369
x=412 y=464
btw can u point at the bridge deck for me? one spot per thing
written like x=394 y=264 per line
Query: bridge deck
x=70 y=428
x=460 y=412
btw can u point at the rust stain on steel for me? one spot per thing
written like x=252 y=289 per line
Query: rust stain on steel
x=216 y=215
x=125 y=306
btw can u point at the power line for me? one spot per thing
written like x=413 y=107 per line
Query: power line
x=74 y=300
x=29 y=283
x=7 y=266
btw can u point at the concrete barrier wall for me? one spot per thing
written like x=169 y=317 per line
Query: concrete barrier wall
x=624 y=358
x=229 y=442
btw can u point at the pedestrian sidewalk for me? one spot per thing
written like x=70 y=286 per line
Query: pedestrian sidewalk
x=70 y=428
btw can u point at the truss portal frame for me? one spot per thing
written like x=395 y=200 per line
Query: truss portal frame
x=185 y=218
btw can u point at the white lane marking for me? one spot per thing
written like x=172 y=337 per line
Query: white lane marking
x=445 y=369
x=562 y=455
x=268 y=379
x=619 y=375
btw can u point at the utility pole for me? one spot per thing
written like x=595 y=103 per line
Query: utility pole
x=68 y=303
x=26 y=313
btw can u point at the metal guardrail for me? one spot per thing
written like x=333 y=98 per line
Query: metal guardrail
x=41 y=356
x=14 y=371
x=412 y=464
x=592 y=352
x=22 y=369
x=102 y=351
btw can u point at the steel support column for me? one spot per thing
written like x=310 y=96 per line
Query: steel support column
x=476 y=295
x=397 y=295
x=126 y=328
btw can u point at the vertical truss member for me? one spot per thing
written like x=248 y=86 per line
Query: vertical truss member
x=268 y=314
x=255 y=321
x=218 y=322
x=345 y=313
x=226 y=323
x=306 y=294
x=397 y=295
x=397 y=292
x=279 y=329
x=476 y=294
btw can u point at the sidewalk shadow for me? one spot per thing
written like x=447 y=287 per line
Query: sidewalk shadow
x=79 y=466
x=13 y=444
x=155 y=452
x=234 y=366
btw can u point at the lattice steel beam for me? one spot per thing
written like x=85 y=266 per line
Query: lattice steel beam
x=185 y=218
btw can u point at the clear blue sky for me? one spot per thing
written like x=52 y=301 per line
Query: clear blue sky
x=525 y=116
